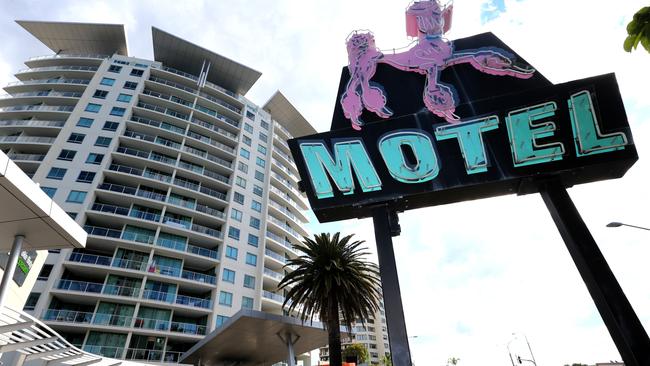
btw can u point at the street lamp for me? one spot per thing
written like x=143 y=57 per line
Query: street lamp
x=519 y=359
x=619 y=224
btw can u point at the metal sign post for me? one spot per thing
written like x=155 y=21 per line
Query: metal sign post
x=386 y=226
x=622 y=322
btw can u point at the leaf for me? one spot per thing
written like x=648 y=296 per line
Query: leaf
x=629 y=42
x=633 y=27
x=645 y=42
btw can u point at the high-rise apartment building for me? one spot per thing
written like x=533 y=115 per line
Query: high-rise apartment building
x=187 y=189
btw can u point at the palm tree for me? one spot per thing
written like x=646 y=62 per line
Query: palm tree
x=332 y=280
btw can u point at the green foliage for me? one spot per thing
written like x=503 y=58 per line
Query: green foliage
x=357 y=350
x=638 y=31
x=453 y=361
x=386 y=360
x=332 y=280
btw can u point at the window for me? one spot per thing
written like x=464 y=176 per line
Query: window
x=263 y=137
x=32 y=299
x=93 y=108
x=118 y=111
x=76 y=196
x=94 y=158
x=239 y=198
x=73 y=215
x=225 y=298
x=228 y=275
x=251 y=259
x=54 y=250
x=259 y=176
x=233 y=233
x=248 y=128
x=250 y=115
x=66 y=155
x=257 y=190
x=257 y=206
x=253 y=240
x=255 y=222
x=50 y=191
x=231 y=252
x=85 y=122
x=130 y=85
x=101 y=94
x=236 y=214
x=247 y=302
x=137 y=72
x=240 y=182
x=265 y=125
x=221 y=319
x=56 y=173
x=260 y=162
x=107 y=81
x=141 y=65
x=261 y=149
x=110 y=126
x=247 y=140
x=244 y=153
x=249 y=281
x=114 y=68
x=121 y=62
x=86 y=177
x=45 y=272
x=76 y=138
x=243 y=167
x=103 y=141
x=124 y=97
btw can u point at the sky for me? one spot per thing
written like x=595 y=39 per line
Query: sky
x=471 y=273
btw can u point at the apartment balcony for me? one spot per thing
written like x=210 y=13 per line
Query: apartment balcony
x=192 y=78
x=90 y=259
x=282 y=130
x=167 y=130
x=106 y=351
x=39 y=143
x=289 y=186
x=277 y=276
x=69 y=71
x=216 y=162
x=298 y=236
x=284 y=157
x=26 y=158
x=272 y=296
x=193 y=302
x=213 y=116
x=288 y=200
x=289 y=173
x=153 y=324
x=144 y=354
x=220 y=104
x=188 y=328
x=134 y=176
x=68 y=316
x=46 y=112
x=214 y=130
x=60 y=84
x=21 y=124
x=199 y=172
x=170 y=145
x=162 y=111
x=166 y=100
x=80 y=286
x=166 y=84
x=65 y=59
x=282 y=242
x=210 y=143
x=112 y=320
x=235 y=97
x=289 y=212
x=278 y=141
x=35 y=97
x=159 y=161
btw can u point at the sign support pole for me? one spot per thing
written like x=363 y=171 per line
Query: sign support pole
x=624 y=326
x=386 y=226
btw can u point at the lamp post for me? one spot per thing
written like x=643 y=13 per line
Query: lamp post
x=619 y=224
x=519 y=359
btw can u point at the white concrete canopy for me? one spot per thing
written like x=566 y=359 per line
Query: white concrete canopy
x=26 y=210
x=255 y=338
x=284 y=112
x=79 y=38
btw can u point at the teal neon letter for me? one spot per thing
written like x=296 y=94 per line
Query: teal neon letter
x=347 y=155
x=523 y=134
x=588 y=138
x=470 y=139
x=426 y=167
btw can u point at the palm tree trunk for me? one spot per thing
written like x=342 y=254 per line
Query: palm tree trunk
x=334 y=332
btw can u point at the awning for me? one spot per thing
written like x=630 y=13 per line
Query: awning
x=255 y=338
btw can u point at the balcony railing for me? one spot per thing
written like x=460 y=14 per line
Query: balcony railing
x=216 y=115
x=273 y=296
x=144 y=354
x=199 y=277
x=181 y=73
x=273 y=274
x=206 y=230
x=28 y=139
x=116 y=290
x=159 y=124
x=172 y=84
x=222 y=89
x=193 y=301
x=68 y=316
x=155 y=139
x=220 y=102
x=283 y=129
x=214 y=128
x=31 y=123
x=199 y=188
x=208 y=156
x=210 y=141
x=171 y=98
x=38 y=108
x=113 y=320
x=155 y=324
x=188 y=328
x=284 y=226
x=100 y=260
x=167 y=111
x=50 y=81
x=112 y=209
x=80 y=286
x=102 y=231
x=210 y=253
x=280 y=240
x=130 y=264
x=26 y=157
x=69 y=55
x=167 y=297
x=106 y=351
x=43 y=93
x=275 y=256
x=56 y=68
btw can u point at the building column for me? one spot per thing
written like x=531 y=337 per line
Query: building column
x=10 y=268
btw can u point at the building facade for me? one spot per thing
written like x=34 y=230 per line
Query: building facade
x=187 y=189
